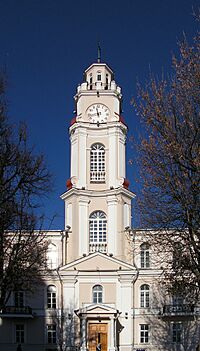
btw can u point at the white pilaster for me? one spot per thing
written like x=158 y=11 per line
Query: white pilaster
x=112 y=165
x=112 y=224
x=82 y=158
x=68 y=215
x=126 y=291
x=127 y=216
x=121 y=159
x=83 y=226
x=74 y=155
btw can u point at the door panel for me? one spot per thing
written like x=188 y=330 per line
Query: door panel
x=97 y=333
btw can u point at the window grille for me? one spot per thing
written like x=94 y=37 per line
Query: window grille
x=51 y=296
x=145 y=255
x=144 y=333
x=176 y=332
x=144 y=296
x=97 y=231
x=19 y=298
x=51 y=334
x=19 y=333
x=97 y=163
x=97 y=294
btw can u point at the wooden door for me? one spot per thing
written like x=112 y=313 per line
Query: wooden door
x=97 y=333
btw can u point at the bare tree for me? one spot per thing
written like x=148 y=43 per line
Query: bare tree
x=169 y=155
x=24 y=178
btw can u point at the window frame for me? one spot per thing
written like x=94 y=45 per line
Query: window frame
x=97 y=227
x=99 y=76
x=51 y=297
x=177 y=332
x=97 y=294
x=97 y=163
x=144 y=333
x=19 y=298
x=145 y=256
x=19 y=333
x=144 y=296
x=51 y=334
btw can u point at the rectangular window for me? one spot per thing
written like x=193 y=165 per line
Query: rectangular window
x=51 y=299
x=145 y=259
x=51 y=334
x=98 y=76
x=144 y=299
x=144 y=333
x=19 y=333
x=19 y=298
x=177 y=300
x=176 y=332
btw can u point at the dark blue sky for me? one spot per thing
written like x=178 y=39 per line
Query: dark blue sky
x=46 y=45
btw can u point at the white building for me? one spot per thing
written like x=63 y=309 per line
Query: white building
x=104 y=283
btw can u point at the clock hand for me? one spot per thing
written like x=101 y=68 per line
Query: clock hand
x=97 y=112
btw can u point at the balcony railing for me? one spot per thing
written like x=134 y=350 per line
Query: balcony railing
x=174 y=310
x=13 y=310
x=97 y=176
x=100 y=247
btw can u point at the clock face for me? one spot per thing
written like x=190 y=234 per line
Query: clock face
x=98 y=113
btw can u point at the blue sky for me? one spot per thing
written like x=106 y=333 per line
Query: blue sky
x=46 y=45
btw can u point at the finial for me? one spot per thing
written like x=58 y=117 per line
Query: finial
x=99 y=53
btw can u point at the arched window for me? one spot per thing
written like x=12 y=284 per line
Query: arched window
x=144 y=296
x=106 y=86
x=90 y=81
x=99 y=76
x=97 y=228
x=144 y=255
x=97 y=294
x=97 y=163
x=51 y=296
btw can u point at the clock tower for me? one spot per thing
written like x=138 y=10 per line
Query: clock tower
x=98 y=271
x=98 y=202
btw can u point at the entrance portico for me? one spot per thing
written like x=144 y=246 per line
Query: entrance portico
x=98 y=326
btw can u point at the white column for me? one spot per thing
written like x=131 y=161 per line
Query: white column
x=112 y=335
x=83 y=334
x=83 y=226
x=112 y=224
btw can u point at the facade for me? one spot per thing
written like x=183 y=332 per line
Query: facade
x=103 y=291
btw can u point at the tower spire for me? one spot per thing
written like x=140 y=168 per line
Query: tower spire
x=99 y=53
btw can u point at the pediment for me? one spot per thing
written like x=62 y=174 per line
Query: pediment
x=97 y=309
x=98 y=261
